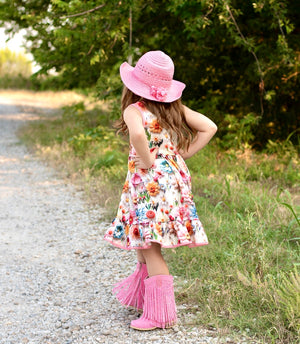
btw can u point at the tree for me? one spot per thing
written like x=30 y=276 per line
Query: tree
x=76 y=46
x=237 y=57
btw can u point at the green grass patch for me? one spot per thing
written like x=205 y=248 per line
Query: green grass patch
x=247 y=280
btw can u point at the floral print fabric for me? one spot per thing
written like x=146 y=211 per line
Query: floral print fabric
x=157 y=204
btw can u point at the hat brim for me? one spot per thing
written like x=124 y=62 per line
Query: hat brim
x=141 y=89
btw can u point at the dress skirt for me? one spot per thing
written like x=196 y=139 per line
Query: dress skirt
x=157 y=206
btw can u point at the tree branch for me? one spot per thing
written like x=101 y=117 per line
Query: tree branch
x=83 y=13
x=209 y=11
x=261 y=84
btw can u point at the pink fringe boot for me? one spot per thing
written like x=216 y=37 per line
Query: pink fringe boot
x=130 y=291
x=159 y=304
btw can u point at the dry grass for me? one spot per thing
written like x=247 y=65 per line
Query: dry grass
x=43 y=99
x=47 y=103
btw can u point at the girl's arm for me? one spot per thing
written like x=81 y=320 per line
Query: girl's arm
x=206 y=129
x=138 y=138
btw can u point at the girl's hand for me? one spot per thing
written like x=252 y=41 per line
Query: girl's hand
x=139 y=163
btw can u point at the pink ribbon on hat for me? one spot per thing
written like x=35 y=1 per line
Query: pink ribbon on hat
x=160 y=93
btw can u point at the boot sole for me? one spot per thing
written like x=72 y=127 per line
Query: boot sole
x=143 y=329
x=149 y=329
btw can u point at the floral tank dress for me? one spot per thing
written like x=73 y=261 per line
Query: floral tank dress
x=156 y=204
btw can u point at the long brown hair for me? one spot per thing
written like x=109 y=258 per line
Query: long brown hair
x=169 y=115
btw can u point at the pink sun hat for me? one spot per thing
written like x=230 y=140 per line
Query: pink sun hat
x=152 y=77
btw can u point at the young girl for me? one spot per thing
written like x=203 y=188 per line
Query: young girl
x=156 y=208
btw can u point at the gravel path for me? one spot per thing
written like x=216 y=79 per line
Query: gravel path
x=56 y=272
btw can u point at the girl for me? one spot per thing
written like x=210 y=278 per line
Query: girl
x=156 y=208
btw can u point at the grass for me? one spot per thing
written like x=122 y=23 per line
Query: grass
x=247 y=280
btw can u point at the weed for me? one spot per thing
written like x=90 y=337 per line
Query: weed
x=288 y=294
x=239 y=131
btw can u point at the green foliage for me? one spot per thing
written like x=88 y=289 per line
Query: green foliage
x=100 y=136
x=284 y=148
x=236 y=57
x=14 y=82
x=239 y=133
x=78 y=47
x=108 y=159
x=109 y=88
x=289 y=299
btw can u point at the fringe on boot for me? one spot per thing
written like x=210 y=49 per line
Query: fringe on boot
x=130 y=291
x=159 y=304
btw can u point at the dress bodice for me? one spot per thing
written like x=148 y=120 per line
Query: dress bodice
x=156 y=134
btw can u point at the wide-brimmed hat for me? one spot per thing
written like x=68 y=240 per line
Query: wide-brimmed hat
x=152 y=77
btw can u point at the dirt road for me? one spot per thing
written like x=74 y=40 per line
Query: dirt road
x=56 y=272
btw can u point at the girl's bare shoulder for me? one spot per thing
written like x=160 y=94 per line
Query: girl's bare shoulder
x=132 y=116
x=132 y=111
